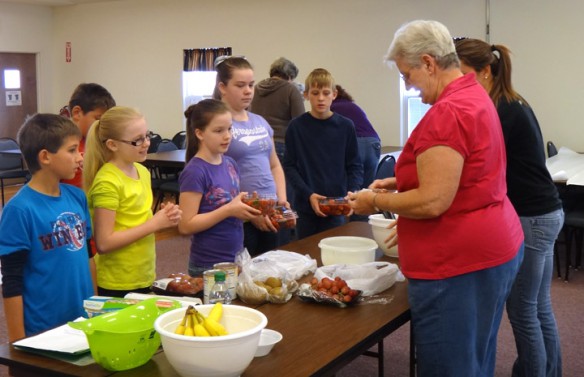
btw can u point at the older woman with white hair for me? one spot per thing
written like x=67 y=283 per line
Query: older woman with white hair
x=460 y=240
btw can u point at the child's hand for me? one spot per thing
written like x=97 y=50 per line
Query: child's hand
x=173 y=212
x=169 y=215
x=264 y=224
x=242 y=211
x=314 y=198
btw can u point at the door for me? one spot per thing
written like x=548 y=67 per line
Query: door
x=18 y=91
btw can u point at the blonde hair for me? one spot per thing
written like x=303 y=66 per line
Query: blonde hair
x=320 y=78
x=111 y=126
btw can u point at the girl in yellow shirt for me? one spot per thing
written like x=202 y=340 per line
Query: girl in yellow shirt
x=120 y=201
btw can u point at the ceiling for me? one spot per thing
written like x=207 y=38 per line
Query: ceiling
x=55 y=3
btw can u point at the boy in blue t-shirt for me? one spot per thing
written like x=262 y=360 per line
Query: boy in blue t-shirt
x=321 y=158
x=44 y=233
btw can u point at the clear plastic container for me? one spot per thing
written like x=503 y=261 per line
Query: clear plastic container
x=265 y=203
x=283 y=218
x=332 y=206
x=220 y=291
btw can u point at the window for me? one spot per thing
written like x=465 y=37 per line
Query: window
x=11 y=79
x=197 y=85
x=198 y=77
x=412 y=110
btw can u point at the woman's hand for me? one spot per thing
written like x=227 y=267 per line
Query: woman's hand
x=362 y=201
x=386 y=184
x=391 y=240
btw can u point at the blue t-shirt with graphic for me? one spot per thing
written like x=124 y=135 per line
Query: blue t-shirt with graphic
x=218 y=184
x=54 y=233
x=251 y=148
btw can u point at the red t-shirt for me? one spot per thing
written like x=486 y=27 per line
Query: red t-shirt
x=78 y=179
x=481 y=228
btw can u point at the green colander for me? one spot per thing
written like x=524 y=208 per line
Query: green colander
x=125 y=339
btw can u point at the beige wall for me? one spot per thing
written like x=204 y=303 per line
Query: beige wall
x=134 y=48
x=28 y=28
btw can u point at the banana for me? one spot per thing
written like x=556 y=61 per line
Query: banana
x=180 y=329
x=216 y=312
x=200 y=330
x=214 y=327
x=190 y=329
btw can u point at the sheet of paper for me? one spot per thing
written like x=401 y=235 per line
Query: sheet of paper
x=576 y=179
x=567 y=166
x=61 y=339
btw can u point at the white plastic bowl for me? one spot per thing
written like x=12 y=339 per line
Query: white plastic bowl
x=268 y=340
x=379 y=226
x=347 y=250
x=216 y=356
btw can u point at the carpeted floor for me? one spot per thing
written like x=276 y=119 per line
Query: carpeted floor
x=568 y=301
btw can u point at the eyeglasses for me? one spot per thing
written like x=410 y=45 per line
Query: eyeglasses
x=138 y=142
x=222 y=58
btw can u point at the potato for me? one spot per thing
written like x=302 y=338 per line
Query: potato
x=273 y=282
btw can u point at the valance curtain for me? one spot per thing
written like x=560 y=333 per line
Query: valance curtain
x=202 y=59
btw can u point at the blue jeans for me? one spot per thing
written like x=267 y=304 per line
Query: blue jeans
x=456 y=320
x=369 y=152
x=529 y=305
x=197 y=271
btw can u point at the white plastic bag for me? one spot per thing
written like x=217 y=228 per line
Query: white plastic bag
x=252 y=284
x=296 y=264
x=369 y=278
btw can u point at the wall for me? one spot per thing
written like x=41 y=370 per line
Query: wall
x=134 y=48
x=546 y=43
x=29 y=28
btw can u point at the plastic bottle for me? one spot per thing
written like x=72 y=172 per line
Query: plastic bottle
x=219 y=292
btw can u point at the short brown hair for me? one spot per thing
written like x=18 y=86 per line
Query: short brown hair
x=44 y=131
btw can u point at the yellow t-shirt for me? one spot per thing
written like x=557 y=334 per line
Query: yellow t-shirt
x=133 y=266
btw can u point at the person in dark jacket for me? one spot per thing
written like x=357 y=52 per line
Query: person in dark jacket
x=322 y=158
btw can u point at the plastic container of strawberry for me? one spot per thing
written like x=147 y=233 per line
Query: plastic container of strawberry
x=263 y=202
x=283 y=218
x=334 y=206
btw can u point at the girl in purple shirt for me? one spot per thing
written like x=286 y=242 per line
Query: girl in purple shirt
x=209 y=189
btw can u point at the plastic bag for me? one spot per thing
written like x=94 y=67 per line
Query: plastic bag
x=263 y=280
x=296 y=264
x=369 y=278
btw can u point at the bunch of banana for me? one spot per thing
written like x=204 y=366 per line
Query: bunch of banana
x=195 y=323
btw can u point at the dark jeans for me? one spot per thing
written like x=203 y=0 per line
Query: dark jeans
x=369 y=152
x=280 y=149
x=257 y=241
x=286 y=235
x=308 y=224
